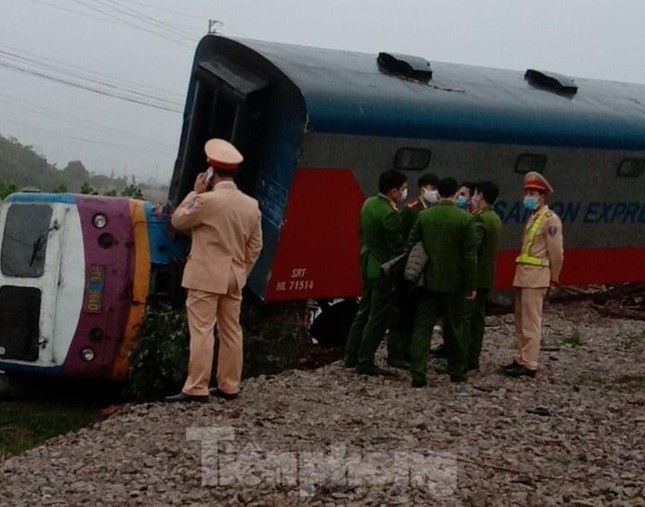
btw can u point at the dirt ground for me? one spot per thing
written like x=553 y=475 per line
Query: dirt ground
x=575 y=435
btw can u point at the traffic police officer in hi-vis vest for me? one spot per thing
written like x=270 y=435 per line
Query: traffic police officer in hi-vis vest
x=538 y=268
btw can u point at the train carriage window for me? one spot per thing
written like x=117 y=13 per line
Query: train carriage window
x=24 y=243
x=631 y=167
x=412 y=159
x=528 y=162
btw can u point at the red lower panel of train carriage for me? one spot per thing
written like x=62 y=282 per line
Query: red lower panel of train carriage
x=318 y=251
x=584 y=266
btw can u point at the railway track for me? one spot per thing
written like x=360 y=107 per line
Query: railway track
x=625 y=301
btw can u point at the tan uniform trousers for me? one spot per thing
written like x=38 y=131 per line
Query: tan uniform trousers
x=528 y=325
x=205 y=309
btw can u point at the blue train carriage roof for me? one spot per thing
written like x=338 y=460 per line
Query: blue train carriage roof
x=348 y=92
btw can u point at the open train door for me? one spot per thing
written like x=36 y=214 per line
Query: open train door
x=227 y=103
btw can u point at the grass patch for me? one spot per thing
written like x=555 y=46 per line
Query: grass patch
x=27 y=424
x=574 y=339
x=636 y=340
x=563 y=460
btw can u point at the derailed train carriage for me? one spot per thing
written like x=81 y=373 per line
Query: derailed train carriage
x=316 y=128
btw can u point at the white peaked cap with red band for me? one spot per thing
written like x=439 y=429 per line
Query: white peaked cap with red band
x=222 y=155
x=535 y=181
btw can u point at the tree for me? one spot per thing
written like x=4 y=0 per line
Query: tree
x=87 y=189
x=110 y=193
x=60 y=189
x=75 y=170
x=132 y=191
x=7 y=189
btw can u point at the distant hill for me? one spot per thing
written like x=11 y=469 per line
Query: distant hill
x=21 y=167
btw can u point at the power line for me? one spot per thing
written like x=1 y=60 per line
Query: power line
x=111 y=15
x=66 y=9
x=68 y=68
x=105 y=16
x=18 y=68
x=46 y=66
x=162 y=9
x=129 y=11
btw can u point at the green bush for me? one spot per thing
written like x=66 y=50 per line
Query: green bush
x=159 y=363
x=274 y=337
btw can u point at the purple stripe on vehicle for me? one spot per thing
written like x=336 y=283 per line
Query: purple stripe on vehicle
x=115 y=300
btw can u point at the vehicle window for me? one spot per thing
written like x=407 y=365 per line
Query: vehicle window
x=412 y=159
x=24 y=241
x=631 y=167
x=528 y=162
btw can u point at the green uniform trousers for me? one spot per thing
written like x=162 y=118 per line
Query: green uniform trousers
x=370 y=324
x=431 y=304
x=473 y=327
x=400 y=338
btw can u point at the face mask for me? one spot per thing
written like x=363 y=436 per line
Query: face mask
x=430 y=196
x=530 y=203
x=404 y=195
x=462 y=201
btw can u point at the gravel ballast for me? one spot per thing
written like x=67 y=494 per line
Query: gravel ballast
x=575 y=435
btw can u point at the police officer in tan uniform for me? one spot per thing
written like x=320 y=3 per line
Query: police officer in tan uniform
x=537 y=268
x=226 y=241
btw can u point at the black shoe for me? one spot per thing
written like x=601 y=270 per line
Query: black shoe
x=401 y=364
x=520 y=371
x=350 y=363
x=375 y=371
x=458 y=379
x=419 y=383
x=439 y=351
x=183 y=397
x=221 y=394
x=511 y=366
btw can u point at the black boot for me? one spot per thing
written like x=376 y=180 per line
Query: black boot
x=401 y=364
x=520 y=371
x=182 y=397
x=511 y=366
x=221 y=394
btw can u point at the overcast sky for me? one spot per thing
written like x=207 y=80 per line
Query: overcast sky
x=142 y=50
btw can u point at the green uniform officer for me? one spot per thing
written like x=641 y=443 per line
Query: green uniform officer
x=399 y=355
x=449 y=237
x=489 y=229
x=428 y=196
x=381 y=240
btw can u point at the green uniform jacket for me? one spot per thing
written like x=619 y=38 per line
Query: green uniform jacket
x=409 y=215
x=450 y=239
x=489 y=229
x=381 y=237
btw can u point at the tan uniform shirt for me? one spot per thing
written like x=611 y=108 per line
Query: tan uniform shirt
x=226 y=237
x=546 y=245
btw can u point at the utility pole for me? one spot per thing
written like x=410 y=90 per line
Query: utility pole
x=213 y=25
